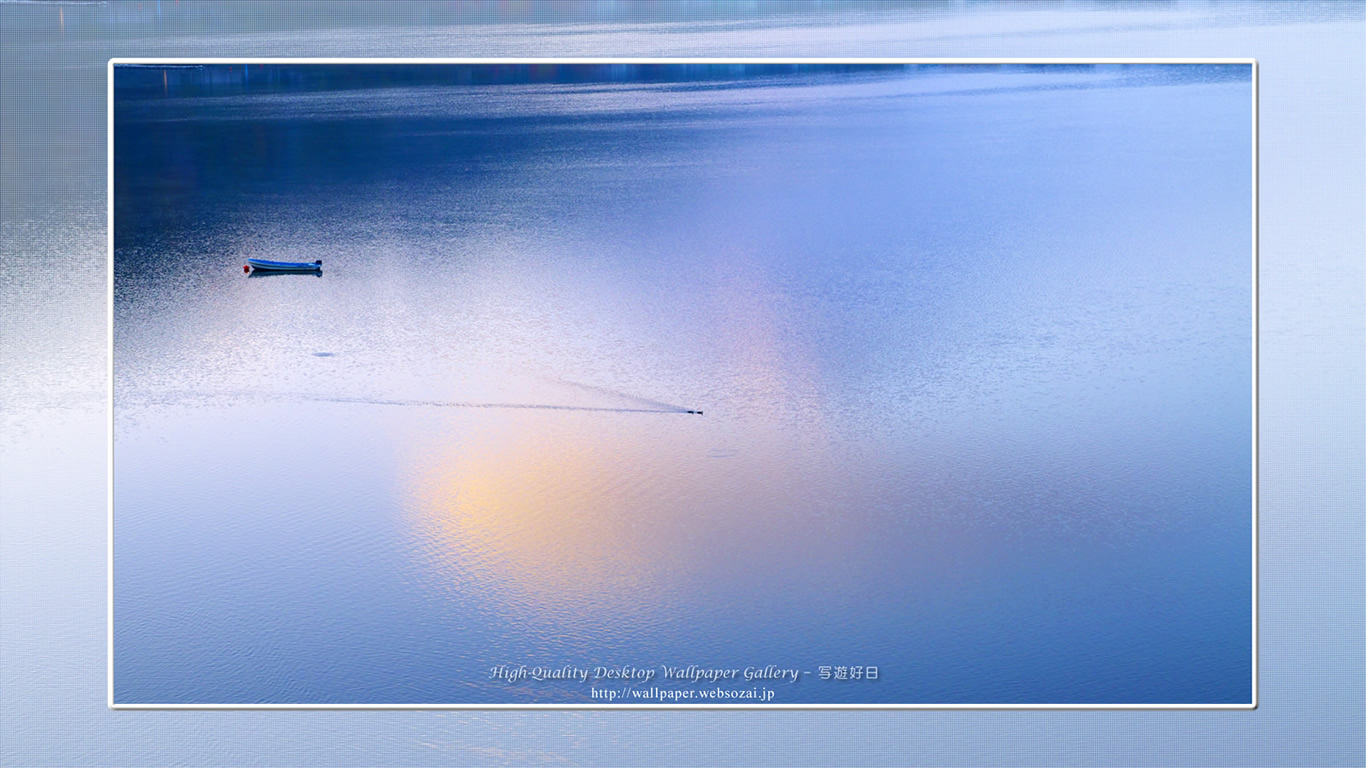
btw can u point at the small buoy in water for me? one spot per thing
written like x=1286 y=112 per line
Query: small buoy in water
x=246 y=268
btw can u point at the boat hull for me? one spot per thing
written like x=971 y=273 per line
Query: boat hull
x=263 y=265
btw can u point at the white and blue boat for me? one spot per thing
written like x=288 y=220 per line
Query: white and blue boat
x=263 y=265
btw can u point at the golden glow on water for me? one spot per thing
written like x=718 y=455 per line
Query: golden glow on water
x=547 y=520
x=567 y=513
x=560 y=511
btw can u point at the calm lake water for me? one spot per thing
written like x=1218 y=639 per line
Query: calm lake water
x=972 y=348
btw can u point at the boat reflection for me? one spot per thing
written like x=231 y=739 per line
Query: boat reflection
x=255 y=273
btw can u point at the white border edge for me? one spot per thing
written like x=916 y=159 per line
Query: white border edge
x=109 y=604
x=109 y=365
x=1256 y=363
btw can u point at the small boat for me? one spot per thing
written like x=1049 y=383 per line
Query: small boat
x=261 y=274
x=282 y=266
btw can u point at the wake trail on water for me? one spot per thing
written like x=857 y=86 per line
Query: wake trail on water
x=453 y=404
x=655 y=405
x=316 y=398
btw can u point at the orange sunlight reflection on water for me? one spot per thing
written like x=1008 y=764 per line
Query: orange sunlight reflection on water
x=559 y=514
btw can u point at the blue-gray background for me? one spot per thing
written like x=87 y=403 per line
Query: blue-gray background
x=52 y=481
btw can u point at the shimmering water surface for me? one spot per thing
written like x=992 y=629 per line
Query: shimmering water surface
x=972 y=348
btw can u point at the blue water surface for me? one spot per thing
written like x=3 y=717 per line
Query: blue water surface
x=972 y=348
